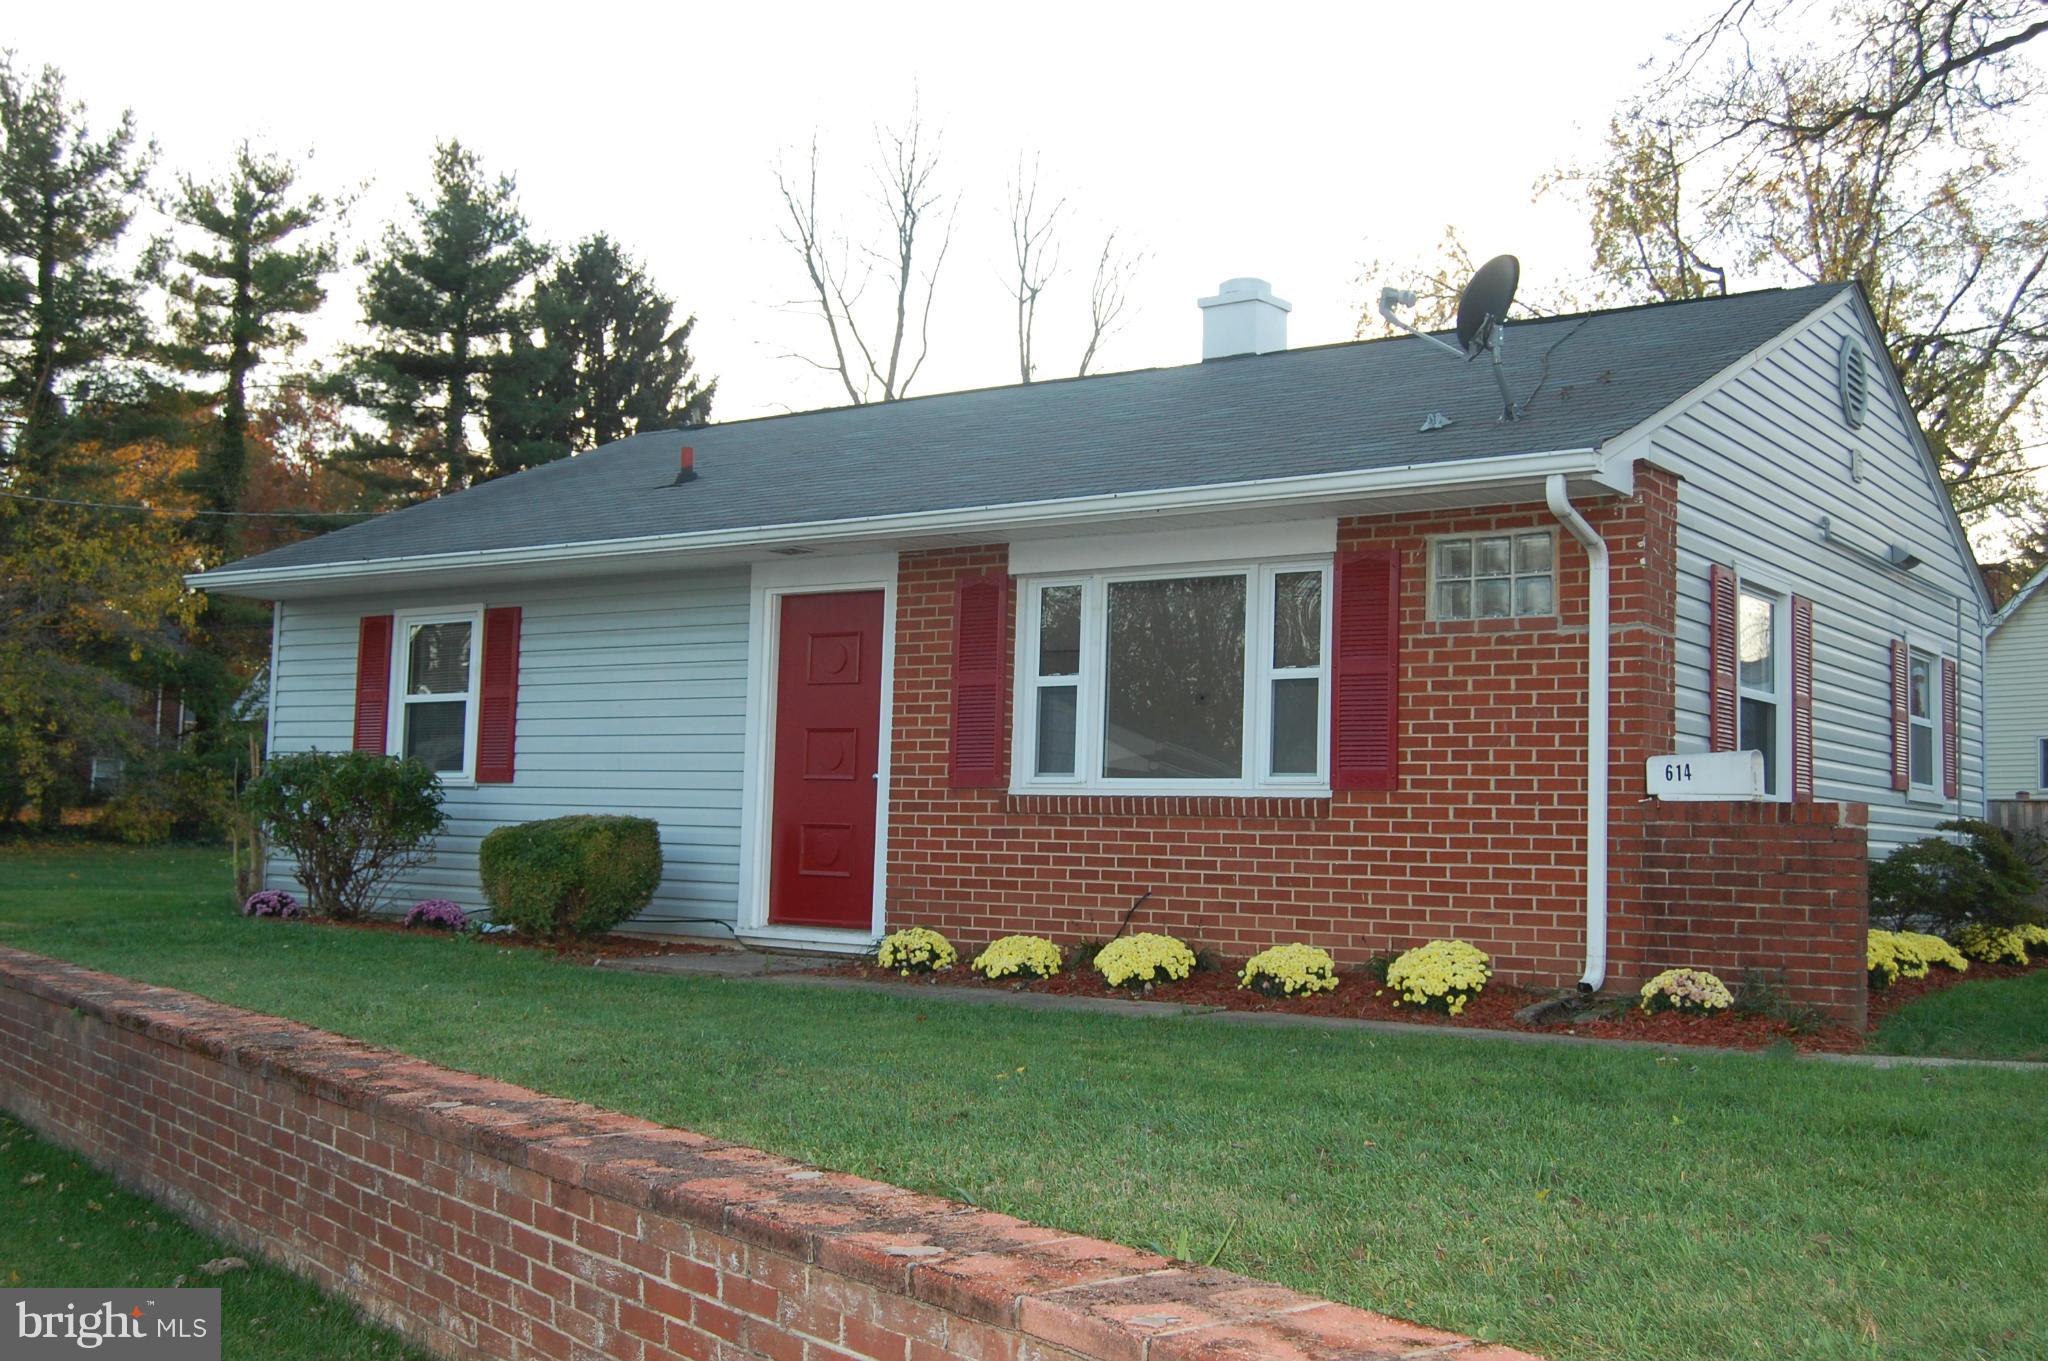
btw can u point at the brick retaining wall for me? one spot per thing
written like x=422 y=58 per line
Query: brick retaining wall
x=1781 y=889
x=482 y=1219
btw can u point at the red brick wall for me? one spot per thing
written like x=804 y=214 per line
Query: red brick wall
x=485 y=1220
x=1775 y=887
x=1483 y=838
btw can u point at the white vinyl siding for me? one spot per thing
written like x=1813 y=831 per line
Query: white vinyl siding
x=1764 y=455
x=2016 y=726
x=632 y=696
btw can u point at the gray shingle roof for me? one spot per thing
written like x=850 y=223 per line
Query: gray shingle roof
x=1333 y=408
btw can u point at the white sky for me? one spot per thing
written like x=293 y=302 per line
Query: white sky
x=1280 y=141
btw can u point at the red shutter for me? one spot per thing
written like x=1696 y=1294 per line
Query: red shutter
x=373 y=683
x=1802 y=699
x=1902 y=734
x=1951 y=732
x=980 y=619
x=497 y=715
x=1367 y=632
x=1722 y=733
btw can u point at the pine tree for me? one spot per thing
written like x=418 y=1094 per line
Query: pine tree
x=67 y=308
x=441 y=303
x=236 y=302
x=599 y=358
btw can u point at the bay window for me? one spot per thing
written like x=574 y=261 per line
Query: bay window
x=1210 y=679
x=433 y=718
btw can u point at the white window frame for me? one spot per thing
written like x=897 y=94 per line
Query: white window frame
x=1918 y=645
x=1435 y=614
x=1779 y=696
x=402 y=626
x=1091 y=692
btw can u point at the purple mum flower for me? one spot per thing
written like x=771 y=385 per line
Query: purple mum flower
x=438 y=913
x=271 y=902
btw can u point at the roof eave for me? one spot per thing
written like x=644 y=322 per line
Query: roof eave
x=1507 y=470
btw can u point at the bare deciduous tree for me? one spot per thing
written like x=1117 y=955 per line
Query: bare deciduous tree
x=876 y=360
x=1034 y=251
x=1937 y=63
x=1109 y=297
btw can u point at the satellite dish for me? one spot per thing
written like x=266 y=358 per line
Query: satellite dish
x=1483 y=303
x=1482 y=320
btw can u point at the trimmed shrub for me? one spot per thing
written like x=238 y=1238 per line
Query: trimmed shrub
x=271 y=902
x=1944 y=883
x=437 y=914
x=1689 y=990
x=1146 y=958
x=1444 y=974
x=2015 y=886
x=1286 y=970
x=915 y=949
x=353 y=821
x=1031 y=956
x=574 y=876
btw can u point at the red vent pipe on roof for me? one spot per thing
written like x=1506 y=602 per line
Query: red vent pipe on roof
x=688 y=466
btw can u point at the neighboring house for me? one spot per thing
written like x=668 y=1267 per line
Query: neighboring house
x=1296 y=642
x=161 y=723
x=2016 y=712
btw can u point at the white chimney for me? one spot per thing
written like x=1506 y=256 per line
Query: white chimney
x=1243 y=318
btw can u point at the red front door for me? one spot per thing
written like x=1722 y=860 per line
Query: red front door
x=828 y=717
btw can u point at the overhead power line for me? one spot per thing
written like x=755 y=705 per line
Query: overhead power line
x=138 y=509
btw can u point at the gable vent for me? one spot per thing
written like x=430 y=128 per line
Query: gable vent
x=1852 y=375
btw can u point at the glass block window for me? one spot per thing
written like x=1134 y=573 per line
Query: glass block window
x=1493 y=576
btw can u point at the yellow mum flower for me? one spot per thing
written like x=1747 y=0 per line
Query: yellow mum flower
x=1144 y=958
x=1286 y=970
x=1032 y=955
x=915 y=949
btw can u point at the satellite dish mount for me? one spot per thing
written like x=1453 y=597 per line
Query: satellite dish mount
x=1482 y=319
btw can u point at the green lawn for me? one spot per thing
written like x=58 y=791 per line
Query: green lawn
x=1577 y=1202
x=68 y=1225
x=1996 y=1018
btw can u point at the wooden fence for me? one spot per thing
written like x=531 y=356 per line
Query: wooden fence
x=2021 y=815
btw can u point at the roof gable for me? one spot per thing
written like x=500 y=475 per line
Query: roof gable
x=1930 y=466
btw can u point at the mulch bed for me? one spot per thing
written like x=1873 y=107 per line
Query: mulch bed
x=1359 y=996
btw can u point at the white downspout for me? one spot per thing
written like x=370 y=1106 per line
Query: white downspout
x=1597 y=628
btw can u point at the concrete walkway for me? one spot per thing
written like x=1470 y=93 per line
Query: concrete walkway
x=793 y=969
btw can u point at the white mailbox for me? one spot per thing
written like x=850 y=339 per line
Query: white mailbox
x=1704 y=777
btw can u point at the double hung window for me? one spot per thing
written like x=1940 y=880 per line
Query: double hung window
x=434 y=719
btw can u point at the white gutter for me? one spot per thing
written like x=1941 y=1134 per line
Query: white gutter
x=1597 y=686
x=1268 y=493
